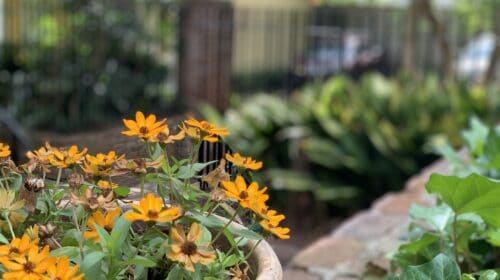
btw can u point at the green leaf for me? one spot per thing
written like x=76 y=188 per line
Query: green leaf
x=437 y=217
x=472 y=194
x=176 y=273
x=488 y=275
x=68 y=251
x=190 y=170
x=141 y=261
x=3 y=239
x=90 y=261
x=418 y=251
x=122 y=191
x=104 y=236
x=441 y=267
x=476 y=136
x=118 y=235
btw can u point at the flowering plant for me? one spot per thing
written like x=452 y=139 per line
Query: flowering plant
x=85 y=223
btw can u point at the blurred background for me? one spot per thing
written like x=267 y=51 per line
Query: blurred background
x=343 y=100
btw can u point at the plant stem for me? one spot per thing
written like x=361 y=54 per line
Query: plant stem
x=142 y=185
x=59 y=174
x=253 y=249
x=225 y=226
x=455 y=239
x=6 y=215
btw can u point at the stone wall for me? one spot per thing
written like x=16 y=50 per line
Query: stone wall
x=361 y=244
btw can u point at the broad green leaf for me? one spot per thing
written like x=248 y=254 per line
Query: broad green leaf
x=437 y=217
x=441 y=267
x=488 y=275
x=122 y=191
x=418 y=251
x=472 y=194
x=476 y=136
x=104 y=236
x=176 y=273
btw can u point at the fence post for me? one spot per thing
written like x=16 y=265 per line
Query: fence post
x=205 y=53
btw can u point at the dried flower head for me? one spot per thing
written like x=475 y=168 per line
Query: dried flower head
x=93 y=202
x=75 y=180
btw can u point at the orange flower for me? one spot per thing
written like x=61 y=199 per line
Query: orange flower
x=248 y=197
x=150 y=209
x=190 y=249
x=62 y=158
x=39 y=159
x=145 y=128
x=166 y=138
x=100 y=164
x=4 y=150
x=106 y=222
x=244 y=162
x=208 y=131
x=62 y=271
x=272 y=226
x=33 y=265
x=18 y=247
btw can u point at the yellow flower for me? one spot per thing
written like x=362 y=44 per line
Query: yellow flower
x=31 y=266
x=18 y=247
x=150 y=210
x=62 y=158
x=272 y=226
x=190 y=249
x=100 y=164
x=62 y=271
x=166 y=138
x=247 y=197
x=106 y=222
x=244 y=162
x=106 y=185
x=4 y=150
x=208 y=131
x=145 y=128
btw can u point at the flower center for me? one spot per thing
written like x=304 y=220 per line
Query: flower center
x=152 y=214
x=243 y=195
x=28 y=267
x=93 y=201
x=162 y=136
x=14 y=250
x=189 y=248
x=143 y=130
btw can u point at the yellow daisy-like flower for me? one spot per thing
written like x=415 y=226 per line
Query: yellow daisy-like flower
x=150 y=209
x=4 y=150
x=31 y=266
x=39 y=159
x=272 y=226
x=244 y=162
x=61 y=270
x=247 y=196
x=100 y=164
x=207 y=130
x=190 y=249
x=106 y=185
x=105 y=221
x=145 y=128
x=17 y=247
x=62 y=158
x=166 y=137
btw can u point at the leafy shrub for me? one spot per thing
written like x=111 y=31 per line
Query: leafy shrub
x=340 y=137
x=461 y=233
x=82 y=64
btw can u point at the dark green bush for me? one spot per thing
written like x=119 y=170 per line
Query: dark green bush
x=344 y=139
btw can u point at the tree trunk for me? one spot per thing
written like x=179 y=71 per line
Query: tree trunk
x=439 y=33
x=492 y=65
x=410 y=39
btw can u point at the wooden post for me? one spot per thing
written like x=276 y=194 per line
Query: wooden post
x=205 y=53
